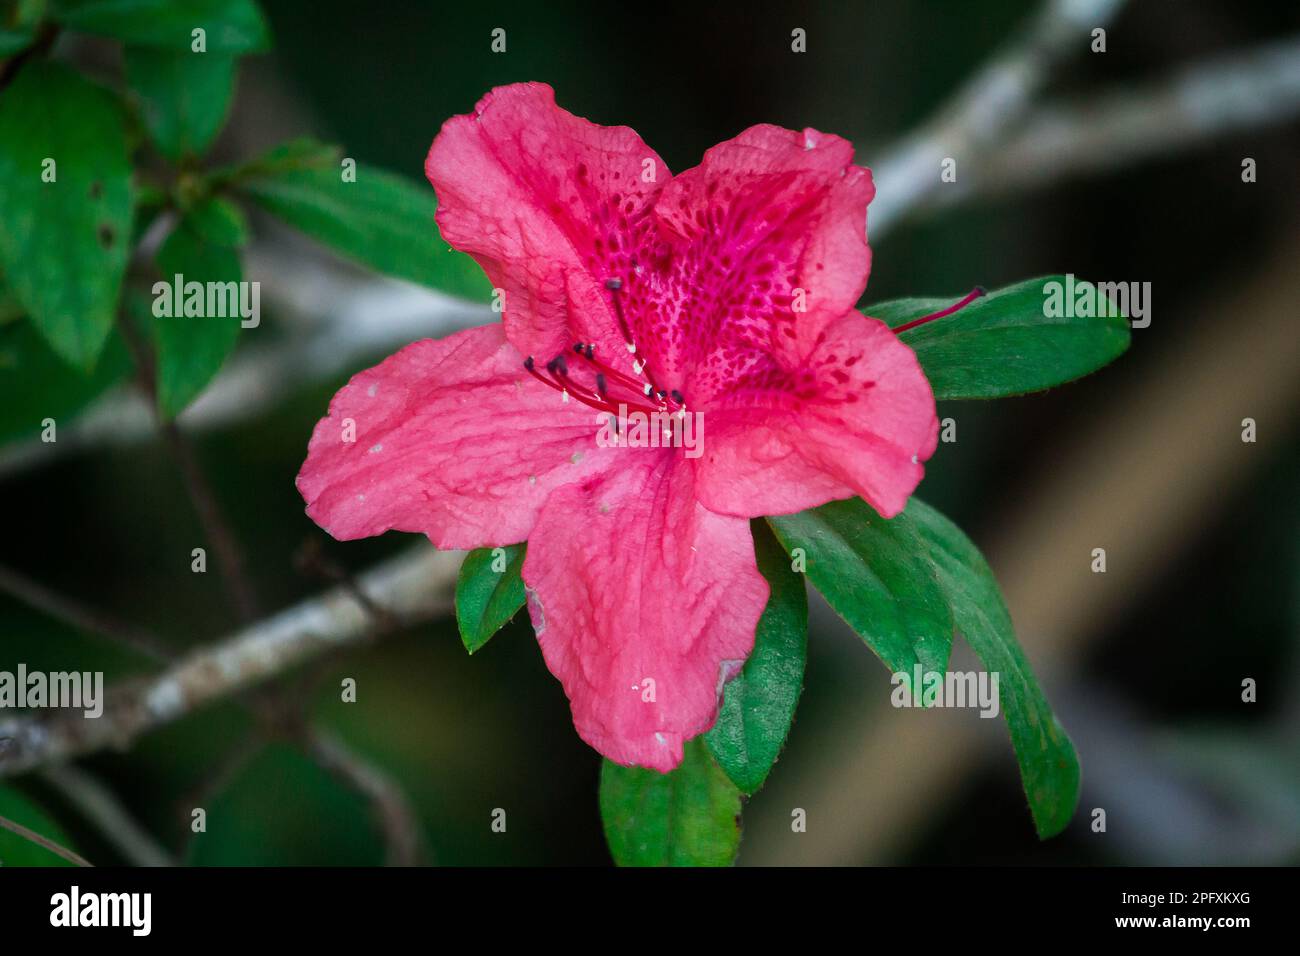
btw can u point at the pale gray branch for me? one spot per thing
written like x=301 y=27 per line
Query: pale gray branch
x=411 y=587
x=992 y=102
x=1209 y=100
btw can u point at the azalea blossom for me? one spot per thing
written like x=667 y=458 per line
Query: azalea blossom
x=727 y=291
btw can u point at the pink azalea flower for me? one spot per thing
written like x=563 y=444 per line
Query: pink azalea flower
x=728 y=291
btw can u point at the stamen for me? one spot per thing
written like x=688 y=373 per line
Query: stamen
x=613 y=373
x=974 y=294
x=568 y=388
x=615 y=286
x=600 y=398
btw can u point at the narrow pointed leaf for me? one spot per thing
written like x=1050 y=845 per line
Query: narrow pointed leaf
x=875 y=575
x=758 y=704
x=1049 y=768
x=382 y=220
x=487 y=599
x=1010 y=341
x=689 y=817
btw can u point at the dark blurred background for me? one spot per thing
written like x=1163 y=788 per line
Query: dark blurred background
x=1144 y=663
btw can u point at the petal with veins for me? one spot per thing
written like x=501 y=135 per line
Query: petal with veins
x=631 y=581
x=857 y=419
x=452 y=438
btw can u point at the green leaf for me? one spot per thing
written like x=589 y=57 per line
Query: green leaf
x=192 y=349
x=16 y=850
x=15 y=40
x=758 y=704
x=219 y=221
x=36 y=384
x=64 y=244
x=184 y=96
x=875 y=575
x=295 y=154
x=487 y=599
x=231 y=26
x=1049 y=768
x=382 y=220
x=689 y=817
x=1004 y=343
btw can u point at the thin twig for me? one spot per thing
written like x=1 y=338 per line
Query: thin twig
x=81 y=617
x=393 y=814
x=413 y=587
x=33 y=837
x=42 y=45
x=311 y=559
x=215 y=527
x=218 y=779
x=100 y=807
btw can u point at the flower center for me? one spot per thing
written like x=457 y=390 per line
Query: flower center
x=607 y=388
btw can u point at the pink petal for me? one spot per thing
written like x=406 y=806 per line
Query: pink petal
x=764 y=245
x=452 y=439
x=630 y=580
x=550 y=205
x=857 y=418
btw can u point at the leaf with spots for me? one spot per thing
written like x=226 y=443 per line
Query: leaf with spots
x=687 y=817
x=1005 y=343
x=875 y=575
x=758 y=704
x=66 y=196
x=1049 y=767
x=487 y=598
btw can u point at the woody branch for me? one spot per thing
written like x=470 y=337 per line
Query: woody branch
x=414 y=587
